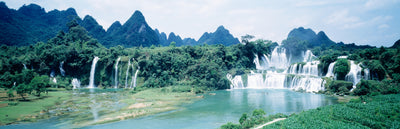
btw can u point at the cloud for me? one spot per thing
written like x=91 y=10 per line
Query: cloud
x=344 y=19
x=376 y=4
x=383 y=26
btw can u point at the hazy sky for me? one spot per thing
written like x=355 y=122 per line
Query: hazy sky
x=373 y=22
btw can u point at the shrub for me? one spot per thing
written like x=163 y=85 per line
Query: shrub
x=341 y=87
x=366 y=87
x=342 y=67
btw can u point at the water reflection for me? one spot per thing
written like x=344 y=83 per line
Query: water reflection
x=210 y=112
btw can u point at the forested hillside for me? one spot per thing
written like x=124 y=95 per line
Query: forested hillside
x=31 y=24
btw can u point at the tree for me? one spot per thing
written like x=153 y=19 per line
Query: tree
x=243 y=118
x=23 y=89
x=246 y=39
x=39 y=84
x=341 y=68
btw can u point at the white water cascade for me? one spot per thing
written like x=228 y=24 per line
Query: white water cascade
x=355 y=73
x=127 y=73
x=330 y=70
x=135 y=77
x=75 y=83
x=309 y=68
x=116 y=73
x=237 y=82
x=62 y=71
x=275 y=72
x=24 y=66
x=278 y=59
x=308 y=56
x=92 y=71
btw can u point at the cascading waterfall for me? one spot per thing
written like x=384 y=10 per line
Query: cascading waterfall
x=308 y=56
x=127 y=73
x=133 y=82
x=278 y=59
x=355 y=73
x=237 y=82
x=75 y=83
x=62 y=71
x=92 y=71
x=366 y=74
x=116 y=73
x=24 y=66
x=274 y=71
x=134 y=79
x=330 y=70
x=310 y=68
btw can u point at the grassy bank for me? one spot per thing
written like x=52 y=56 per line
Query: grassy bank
x=30 y=110
x=97 y=107
x=366 y=112
x=147 y=102
x=381 y=111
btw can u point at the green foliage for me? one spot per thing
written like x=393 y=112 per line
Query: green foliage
x=339 y=87
x=23 y=89
x=39 y=84
x=257 y=118
x=341 y=68
x=230 y=125
x=374 y=112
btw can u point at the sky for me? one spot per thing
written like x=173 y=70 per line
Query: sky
x=363 y=22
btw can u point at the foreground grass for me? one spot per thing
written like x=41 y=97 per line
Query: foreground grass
x=366 y=112
x=30 y=110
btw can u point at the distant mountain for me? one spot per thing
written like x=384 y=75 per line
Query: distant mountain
x=310 y=37
x=135 y=32
x=396 y=44
x=94 y=29
x=220 y=36
x=175 y=38
x=31 y=24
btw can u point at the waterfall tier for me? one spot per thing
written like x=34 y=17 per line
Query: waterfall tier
x=75 y=83
x=275 y=71
x=92 y=71
x=116 y=73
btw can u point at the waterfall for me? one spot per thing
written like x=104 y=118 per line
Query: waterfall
x=278 y=59
x=54 y=80
x=24 y=66
x=127 y=73
x=134 y=79
x=116 y=73
x=236 y=82
x=52 y=73
x=269 y=73
x=308 y=56
x=366 y=74
x=62 y=71
x=329 y=73
x=304 y=75
x=307 y=83
x=355 y=73
x=75 y=83
x=92 y=71
x=310 y=68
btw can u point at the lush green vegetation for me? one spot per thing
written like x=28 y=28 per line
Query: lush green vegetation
x=256 y=118
x=367 y=112
x=30 y=110
x=199 y=66
x=341 y=68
